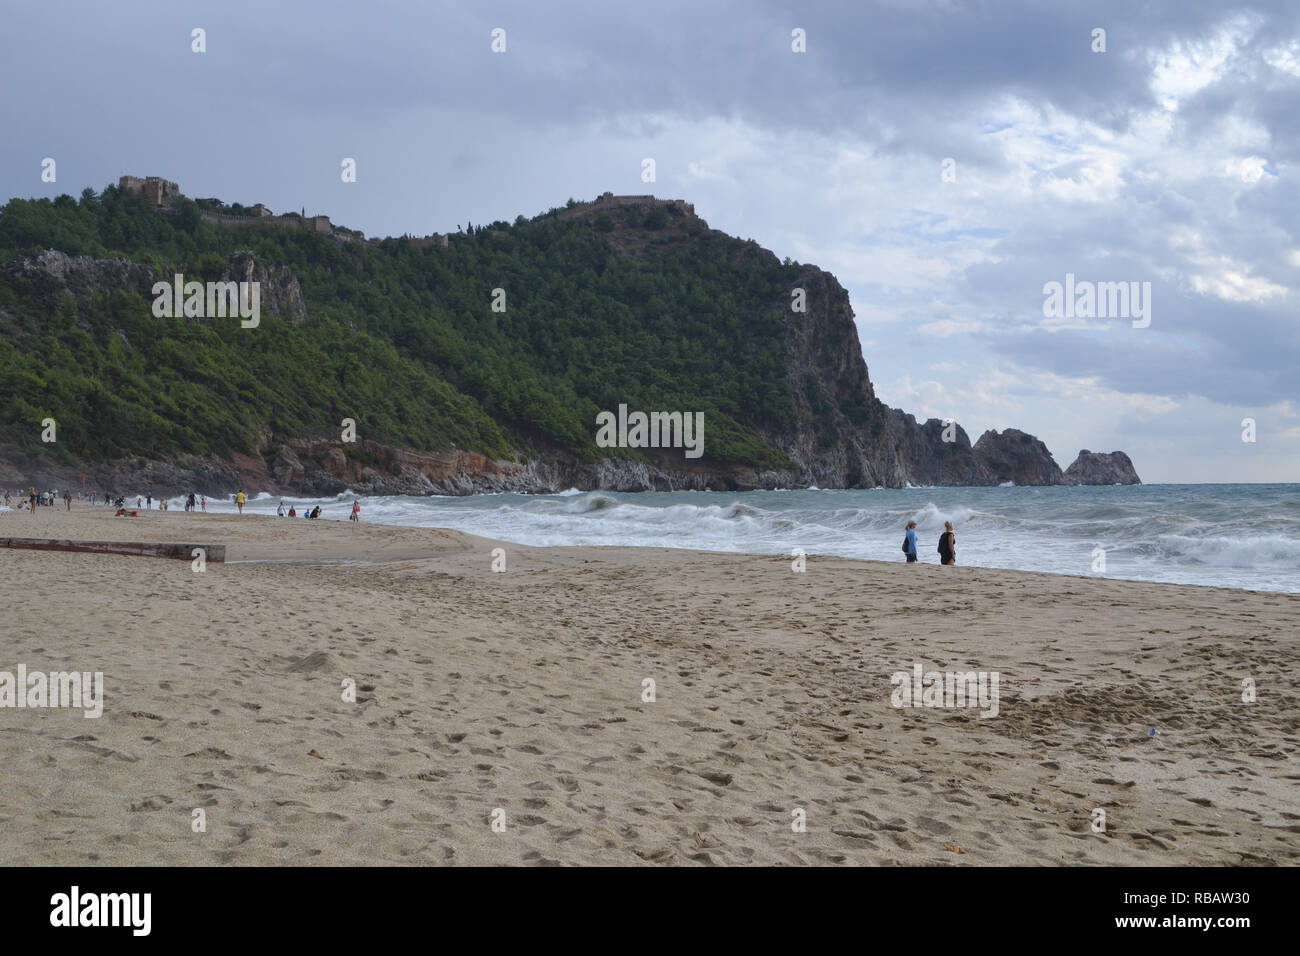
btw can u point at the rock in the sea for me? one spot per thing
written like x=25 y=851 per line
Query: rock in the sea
x=1102 y=468
x=1017 y=457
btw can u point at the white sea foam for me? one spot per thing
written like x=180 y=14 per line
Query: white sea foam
x=1244 y=536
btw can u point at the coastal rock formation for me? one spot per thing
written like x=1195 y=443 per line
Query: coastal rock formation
x=819 y=421
x=1015 y=456
x=1102 y=468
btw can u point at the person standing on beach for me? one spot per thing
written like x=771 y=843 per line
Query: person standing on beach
x=239 y=500
x=910 y=541
x=32 y=500
x=279 y=512
x=67 y=499
x=205 y=503
x=356 y=510
x=948 y=545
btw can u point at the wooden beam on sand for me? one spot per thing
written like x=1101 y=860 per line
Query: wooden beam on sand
x=185 y=552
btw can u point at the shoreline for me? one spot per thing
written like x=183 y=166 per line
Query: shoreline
x=95 y=510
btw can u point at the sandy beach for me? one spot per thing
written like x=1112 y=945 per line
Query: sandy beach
x=522 y=692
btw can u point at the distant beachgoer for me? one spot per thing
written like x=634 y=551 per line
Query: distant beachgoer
x=356 y=511
x=948 y=545
x=67 y=499
x=293 y=512
x=205 y=502
x=909 y=542
x=239 y=500
x=138 y=502
x=148 y=500
x=279 y=512
x=315 y=512
x=32 y=501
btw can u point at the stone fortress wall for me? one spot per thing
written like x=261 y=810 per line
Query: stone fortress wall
x=161 y=192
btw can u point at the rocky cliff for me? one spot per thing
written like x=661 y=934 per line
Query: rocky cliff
x=1101 y=468
x=1014 y=456
x=836 y=434
x=49 y=275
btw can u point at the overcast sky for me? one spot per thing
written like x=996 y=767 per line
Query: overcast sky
x=1170 y=158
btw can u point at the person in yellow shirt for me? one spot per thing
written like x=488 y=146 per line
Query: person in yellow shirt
x=239 y=500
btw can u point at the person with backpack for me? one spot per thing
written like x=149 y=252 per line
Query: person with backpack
x=909 y=542
x=948 y=545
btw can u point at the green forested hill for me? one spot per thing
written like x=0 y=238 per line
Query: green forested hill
x=401 y=339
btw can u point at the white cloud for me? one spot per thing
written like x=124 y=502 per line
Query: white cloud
x=1248 y=170
x=946 y=328
x=1285 y=57
x=1234 y=285
x=1186 y=68
x=1219 y=275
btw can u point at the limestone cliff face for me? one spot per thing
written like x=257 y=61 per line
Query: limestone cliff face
x=48 y=276
x=281 y=295
x=51 y=273
x=844 y=436
x=1102 y=468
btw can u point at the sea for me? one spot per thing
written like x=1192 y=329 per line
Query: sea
x=1226 y=535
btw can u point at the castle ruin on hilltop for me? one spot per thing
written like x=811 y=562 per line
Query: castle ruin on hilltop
x=608 y=200
x=161 y=193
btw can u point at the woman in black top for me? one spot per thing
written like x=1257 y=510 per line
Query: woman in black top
x=947 y=545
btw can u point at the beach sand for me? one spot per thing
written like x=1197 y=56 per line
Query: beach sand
x=523 y=691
